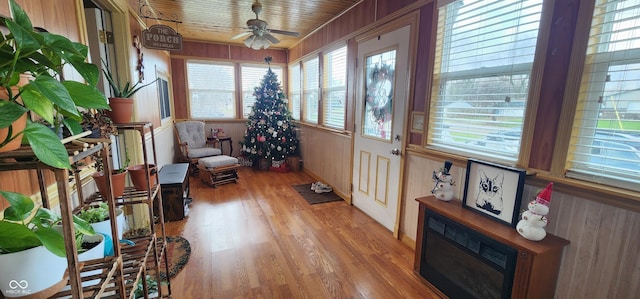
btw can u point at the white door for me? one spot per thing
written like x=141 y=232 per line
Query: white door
x=381 y=98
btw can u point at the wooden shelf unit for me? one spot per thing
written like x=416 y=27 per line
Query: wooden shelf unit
x=537 y=264
x=111 y=265
x=122 y=271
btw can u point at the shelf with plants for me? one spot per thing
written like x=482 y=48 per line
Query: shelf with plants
x=91 y=275
x=149 y=243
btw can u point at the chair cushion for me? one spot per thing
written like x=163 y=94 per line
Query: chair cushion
x=192 y=132
x=217 y=161
x=204 y=152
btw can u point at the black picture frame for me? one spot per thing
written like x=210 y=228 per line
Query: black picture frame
x=494 y=190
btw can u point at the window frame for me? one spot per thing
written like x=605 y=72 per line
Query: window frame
x=593 y=61
x=234 y=90
x=532 y=68
x=328 y=91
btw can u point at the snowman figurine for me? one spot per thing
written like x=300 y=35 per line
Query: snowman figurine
x=443 y=189
x=534 y=220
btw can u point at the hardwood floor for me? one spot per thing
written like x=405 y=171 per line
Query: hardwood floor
x=259 y=239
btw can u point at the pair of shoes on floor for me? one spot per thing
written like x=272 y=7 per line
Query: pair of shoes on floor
x=320 y=187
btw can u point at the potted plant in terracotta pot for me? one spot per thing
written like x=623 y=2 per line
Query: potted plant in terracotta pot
x=31 y=80
x=138 y=174
x=118 y=178
x=121 y=103
x=31 y=249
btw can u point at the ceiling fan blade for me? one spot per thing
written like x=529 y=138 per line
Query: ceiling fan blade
x=283 y=32
x=241 y=35
x=271 y=38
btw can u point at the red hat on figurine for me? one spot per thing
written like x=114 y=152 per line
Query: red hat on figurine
x=544 y=197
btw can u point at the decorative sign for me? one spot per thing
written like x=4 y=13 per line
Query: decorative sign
x=162 y=37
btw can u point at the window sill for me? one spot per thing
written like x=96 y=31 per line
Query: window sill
x=626 y=199
x=618 y=197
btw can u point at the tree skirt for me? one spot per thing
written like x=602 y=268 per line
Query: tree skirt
x=312 y=197
x=178 y=252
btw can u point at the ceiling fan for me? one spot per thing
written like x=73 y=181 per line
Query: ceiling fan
x=259 y=36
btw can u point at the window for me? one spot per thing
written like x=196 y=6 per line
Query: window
x=605 y=147
x=211 y=90
x=295 y=90
x=334 y=88
x=484 y=57
x=251 y=78
x=310 y=90
x=163 y=93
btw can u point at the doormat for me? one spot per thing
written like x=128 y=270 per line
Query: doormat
x=178 y=252
x=312 y=197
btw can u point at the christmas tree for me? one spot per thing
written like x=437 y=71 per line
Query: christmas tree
x=269 y=133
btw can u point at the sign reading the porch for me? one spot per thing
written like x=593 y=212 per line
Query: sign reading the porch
x=162 y=37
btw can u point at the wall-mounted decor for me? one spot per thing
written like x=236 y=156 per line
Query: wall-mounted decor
x=417 y=122
x=162 y=37
x=494 y=190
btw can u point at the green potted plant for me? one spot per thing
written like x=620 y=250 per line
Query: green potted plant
x=29 y=244
x=121 y=102
x=38 y=57
x=98 y=217
x=152 y=288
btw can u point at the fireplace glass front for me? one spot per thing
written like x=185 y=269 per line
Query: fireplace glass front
x=463 y=263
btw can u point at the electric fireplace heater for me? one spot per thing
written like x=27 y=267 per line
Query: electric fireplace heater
x=463 y=263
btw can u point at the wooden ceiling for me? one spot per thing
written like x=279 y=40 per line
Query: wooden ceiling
x=219 y=20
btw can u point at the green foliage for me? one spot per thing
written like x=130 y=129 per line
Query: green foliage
x=124 y=91
x=95 y=214
x=152 y=287
x=24 y=226
x=43 y=55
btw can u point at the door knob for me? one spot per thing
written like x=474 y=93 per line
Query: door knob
x=395 y=151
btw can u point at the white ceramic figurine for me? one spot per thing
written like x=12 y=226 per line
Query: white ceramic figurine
x=534 y=220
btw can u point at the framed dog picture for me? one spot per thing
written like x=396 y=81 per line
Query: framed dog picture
x=494 y=190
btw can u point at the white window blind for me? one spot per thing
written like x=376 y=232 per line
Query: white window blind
x=335 y=88
x=310 y=90
x=251 y=78
x=483 y=63
x=211 y=90
x=605 y=147
x=295 y=90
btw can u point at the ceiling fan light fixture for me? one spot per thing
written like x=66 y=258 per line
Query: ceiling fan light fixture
x=249 y=41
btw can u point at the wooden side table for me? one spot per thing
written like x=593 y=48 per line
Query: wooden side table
x=218 y=142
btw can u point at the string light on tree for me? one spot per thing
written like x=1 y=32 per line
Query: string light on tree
x=270 y=132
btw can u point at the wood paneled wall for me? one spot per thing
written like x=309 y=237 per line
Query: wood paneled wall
x=602 y=260
x=327 y=156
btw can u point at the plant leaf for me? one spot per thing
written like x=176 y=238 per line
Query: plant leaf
x=82 y=226
x=53 y=90
x=20 y=206
x=10 y=113
x=73 y=125
x=47 y=146
x=52 y=240
x=86 y=96
x=89 y=71
x=21 y=18
x=16 y=237
x=37 y=102
x=45 y=218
